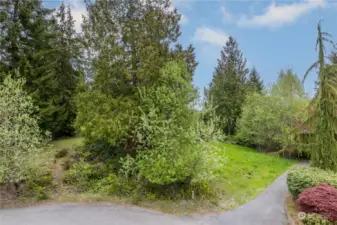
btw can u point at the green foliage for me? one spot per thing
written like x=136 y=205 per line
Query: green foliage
x=268 y=121
x=262 y=122
x=288 y=86
x=102 y=118
x=316 y=219
x=179 y=190
x=163 y=156
x=322 y=118
x=300 y=178
x=20 y=137
x=37 y=184
x=84 y=175
x=108 y=107
x=228 y=87
x=208 y=127
x=44 y=48
x=254 y=81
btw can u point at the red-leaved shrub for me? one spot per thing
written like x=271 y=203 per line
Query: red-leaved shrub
x=321 y=199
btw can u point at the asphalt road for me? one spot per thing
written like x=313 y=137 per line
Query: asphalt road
x=266 y=209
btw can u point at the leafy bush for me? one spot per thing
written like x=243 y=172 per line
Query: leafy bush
x=84 y=175
x=61 y=153
x=169 y=137
x=267 y=121
x=20 y=136
x=180 y=190
x=37 y=184
x=321 y=199
x=107 y=185
x=316 y=219
x=262 y=121
x=300 y=178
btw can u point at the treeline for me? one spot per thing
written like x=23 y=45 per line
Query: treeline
x=250 y=113
x=280 y=118
x=96 y=83
x=122 y=49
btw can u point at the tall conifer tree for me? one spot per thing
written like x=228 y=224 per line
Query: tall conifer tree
x=228 y=87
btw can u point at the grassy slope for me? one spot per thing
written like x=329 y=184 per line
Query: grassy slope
x=244 y=175
x=247 y=172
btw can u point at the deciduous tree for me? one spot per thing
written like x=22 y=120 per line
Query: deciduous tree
x=20 y=136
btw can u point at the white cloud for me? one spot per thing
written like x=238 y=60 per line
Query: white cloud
x=211 y=36
x=225 y=14
x=275 y=16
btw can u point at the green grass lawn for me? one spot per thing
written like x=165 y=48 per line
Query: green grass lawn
x=66 y=143
x=248 y=172
x=245 y=174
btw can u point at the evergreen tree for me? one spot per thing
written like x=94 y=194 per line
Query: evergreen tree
x=128 y=42
x=333 y=57
x=228 y=87
x=57 y=109
x=24 y=31
x=254 y=81
x=323 y=120
x=188 y=56
x=42 y=49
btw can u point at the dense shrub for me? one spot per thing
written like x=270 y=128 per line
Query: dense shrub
x=315 y=219
x=37 y=184
x=300 y=178
x=106 y=185
x=321 y=199
x=84 y=175
x=20 y=136
x=262 y=122
x=268 y=121
x=172 y=145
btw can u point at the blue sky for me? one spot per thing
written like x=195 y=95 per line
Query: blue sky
x=272 y=34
